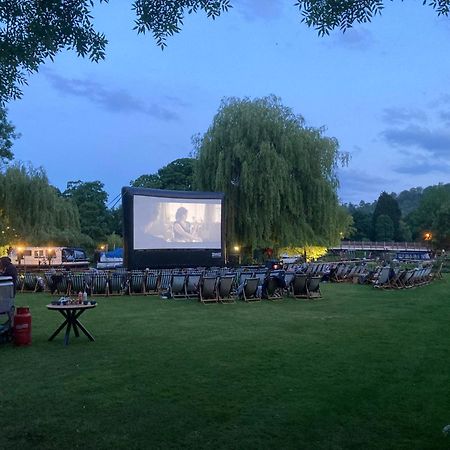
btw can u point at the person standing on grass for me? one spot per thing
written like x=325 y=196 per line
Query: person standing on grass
x=8 y=269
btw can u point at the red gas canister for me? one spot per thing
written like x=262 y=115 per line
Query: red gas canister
x=22 y=326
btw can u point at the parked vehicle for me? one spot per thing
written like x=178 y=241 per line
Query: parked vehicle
x=35 y=257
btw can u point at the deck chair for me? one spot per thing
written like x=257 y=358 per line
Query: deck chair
x=438 y=274
x=273 y=287
x=250 y=291
x=99 y=284
x=177 y=286
x=242 y=276
x=6 y=309
x=383 y=278
x=225 y=285
x=164 y=281
x=208 y=290
x=261 y=275
x=288 y=280
x=137 y=282
x=76 y=283
x=299 y=285
x=192 y=285
x=151 y=283
x=30 y=282
x=313 y=287
x=116 y=283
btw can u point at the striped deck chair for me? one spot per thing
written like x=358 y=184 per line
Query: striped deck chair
x=100 y=284
x=137 y=279
x=406 y=279
x=438 y=274
x=20 y=282
x=116 y=283
x=225 y=289
x=177 y=286
x=313 y=287
x=76 y=283
x=250 y=291
x=261 y=275
x=30 y=282
x=164 y=280
x=288 y=280
x=208 y=290
x=151 y=284
x=299 y=285
x=192 y=285
x=62 y=284
x=273 y=288
x=383 y=278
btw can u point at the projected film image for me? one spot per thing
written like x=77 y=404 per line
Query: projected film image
x=161 y=223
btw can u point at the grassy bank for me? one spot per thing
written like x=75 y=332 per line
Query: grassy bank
x=360 y=369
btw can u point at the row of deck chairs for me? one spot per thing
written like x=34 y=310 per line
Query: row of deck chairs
x=218 y=285
x=388 y=278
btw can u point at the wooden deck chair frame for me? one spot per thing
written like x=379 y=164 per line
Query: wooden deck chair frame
x=177 y=286
x=299 y=285
x=100 y=284
x=137 y=279
x=288 y=280
x=165 y=278
x=208 y=290
x=273 y=289
x=30 y=282
x=313 y=287
x=116 y=283
x=250 y=290
x=192 y=285
x=383 y=278
x=151 y=283
x=225 y=288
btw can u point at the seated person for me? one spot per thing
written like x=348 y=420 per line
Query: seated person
x=182 y=231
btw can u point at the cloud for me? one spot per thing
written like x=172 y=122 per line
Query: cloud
x=356 y=185
x=358 y=38
x=400 y=116
x=436 y=142
x=114 y=100
x=259 y=9
x=422 y=167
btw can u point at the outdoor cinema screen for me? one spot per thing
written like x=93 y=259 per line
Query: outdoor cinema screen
x=172 y=228
x=161 y=222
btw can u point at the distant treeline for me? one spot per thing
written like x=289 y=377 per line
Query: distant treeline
x=404 y=217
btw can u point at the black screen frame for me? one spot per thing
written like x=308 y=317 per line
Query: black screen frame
x=168 y=258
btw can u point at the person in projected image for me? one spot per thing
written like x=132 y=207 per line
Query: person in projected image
x=183 y=231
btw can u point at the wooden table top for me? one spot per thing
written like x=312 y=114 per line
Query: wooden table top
x=75 y=306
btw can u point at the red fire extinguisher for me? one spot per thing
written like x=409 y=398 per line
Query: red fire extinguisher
x=22 y=326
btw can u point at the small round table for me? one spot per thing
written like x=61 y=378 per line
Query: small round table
x=71 y=313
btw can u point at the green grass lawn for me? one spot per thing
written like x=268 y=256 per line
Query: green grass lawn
x=360 y=369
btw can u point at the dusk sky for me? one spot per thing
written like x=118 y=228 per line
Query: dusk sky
x=382 y=89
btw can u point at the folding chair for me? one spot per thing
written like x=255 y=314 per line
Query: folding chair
x=313 y=287
x=208 y=290
x=250 y=290
x=225 y=285
x=299 y=285
x=151 y=283
x=177 y=286
x=192 y=285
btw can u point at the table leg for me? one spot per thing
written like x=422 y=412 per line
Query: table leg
x=81 y=326
x=86 y=332
x=58 y=330
x=66 y=337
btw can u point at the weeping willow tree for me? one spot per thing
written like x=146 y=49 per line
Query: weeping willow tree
x=33 y=211
x=278 y=175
